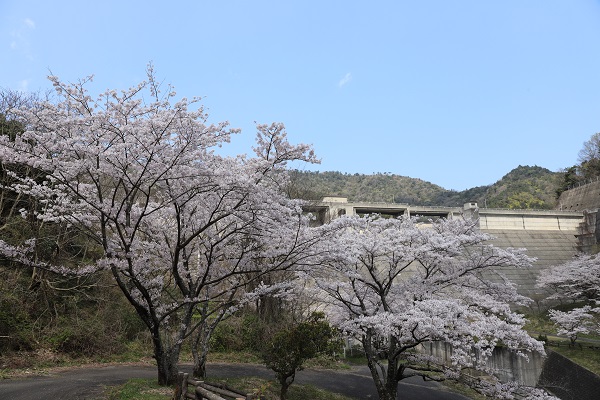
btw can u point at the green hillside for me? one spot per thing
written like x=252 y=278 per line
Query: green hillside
x=524 y=187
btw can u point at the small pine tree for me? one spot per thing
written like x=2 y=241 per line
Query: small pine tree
x=288 y=349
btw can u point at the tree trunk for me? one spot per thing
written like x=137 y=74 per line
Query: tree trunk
x=391 y=390
x=283 y=392
x=201 y=346
x=387 y=388
x=199 y=363
x=166 y=361
x=285 y=383
x=391 y=381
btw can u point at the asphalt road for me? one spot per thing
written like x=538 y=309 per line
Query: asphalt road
x=90 y=383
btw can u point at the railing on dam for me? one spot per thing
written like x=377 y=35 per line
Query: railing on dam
x=333 y=207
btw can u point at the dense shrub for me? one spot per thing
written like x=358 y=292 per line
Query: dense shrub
x=40 y=312
x=240 y=332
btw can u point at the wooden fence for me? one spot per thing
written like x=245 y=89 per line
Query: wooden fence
x=201 y=390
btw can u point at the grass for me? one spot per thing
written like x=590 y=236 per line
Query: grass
x=465 y=390
x=325 y=362
x=140 y=389
x=44 y=360
x=37 y=362
x=584 y=356
x=137 y=350
x=234 y=357
x=357 y=358
x=147 y=389
x=270 y=389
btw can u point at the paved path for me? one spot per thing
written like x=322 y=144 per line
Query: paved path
x=90 y=383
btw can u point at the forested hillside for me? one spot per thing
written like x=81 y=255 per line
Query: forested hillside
x=358 y=187
x=524 y=187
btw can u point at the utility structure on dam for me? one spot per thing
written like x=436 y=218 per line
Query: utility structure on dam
x=551 y=236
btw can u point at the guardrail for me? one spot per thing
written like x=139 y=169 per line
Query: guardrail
x=207 y=391
x=586 y=182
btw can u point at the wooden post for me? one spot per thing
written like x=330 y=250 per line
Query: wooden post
x=184 y=386
x=179 y=387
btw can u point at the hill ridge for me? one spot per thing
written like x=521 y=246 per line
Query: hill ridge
x=525 y=187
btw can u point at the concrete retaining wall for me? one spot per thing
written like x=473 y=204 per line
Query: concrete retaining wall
x=585 y=197
x=555 y=373
x=567 y=380
x=509 y=366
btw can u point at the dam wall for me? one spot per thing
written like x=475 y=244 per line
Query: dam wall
x=552 y=237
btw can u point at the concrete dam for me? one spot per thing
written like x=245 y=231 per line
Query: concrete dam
x=551 y=236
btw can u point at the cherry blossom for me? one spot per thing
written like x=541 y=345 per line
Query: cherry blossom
x=183 y=230
x=575 y=322
x=396 y=286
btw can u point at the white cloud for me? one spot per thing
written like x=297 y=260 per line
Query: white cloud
x=24 y=85
x=21 y=38
x=29 y=22
x=344 y=81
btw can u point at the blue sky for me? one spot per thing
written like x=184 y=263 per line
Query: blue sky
x=457 y=93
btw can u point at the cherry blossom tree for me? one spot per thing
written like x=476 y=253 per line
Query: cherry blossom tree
x=272 y=242
x=575 y=280
x=398 y=286
x=573 y=323
x=179 y=225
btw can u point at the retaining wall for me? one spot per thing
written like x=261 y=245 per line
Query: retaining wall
x=584 y=197
x=567 y=380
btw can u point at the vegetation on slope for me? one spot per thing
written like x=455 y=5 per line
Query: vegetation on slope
x=524 y=187
x=587 y=169
x=358 y=187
